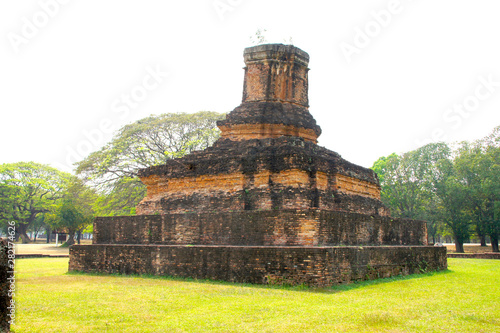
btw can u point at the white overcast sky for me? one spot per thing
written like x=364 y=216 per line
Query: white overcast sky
x=407 y=83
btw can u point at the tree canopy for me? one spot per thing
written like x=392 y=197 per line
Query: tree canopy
x=74 y=211
x=146 y=142
x=454 y=189
x=28 y=189
x=150 y=141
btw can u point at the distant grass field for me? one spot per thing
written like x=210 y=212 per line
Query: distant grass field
x=462 y=299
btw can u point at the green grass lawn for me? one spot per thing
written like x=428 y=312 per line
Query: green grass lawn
x=462 y=299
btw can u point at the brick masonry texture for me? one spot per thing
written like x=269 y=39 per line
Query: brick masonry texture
x=272 y=173
x=265 y=203
x=314 y=266
x=241 y=132
x=276 y=72
x=281 y=227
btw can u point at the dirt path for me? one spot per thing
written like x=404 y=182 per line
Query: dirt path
x=470 y=248
x=44 y=248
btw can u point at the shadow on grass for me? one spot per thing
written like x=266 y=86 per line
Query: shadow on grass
x=366 y=283
x=301 y=288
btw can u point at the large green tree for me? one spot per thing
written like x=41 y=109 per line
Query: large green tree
x=7 y=206
x=491 y=185
x=406 y=179
x=150 y=141
x=146 y=142
x=454 y=196
x=479 y=167
x=121 y=199
x=74 y=211
x=474 y=186
x=454 y=189
x=28 y=189
x=69 y=218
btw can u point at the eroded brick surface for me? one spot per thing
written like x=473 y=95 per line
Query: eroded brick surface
x=274 y=173
x=239 y=132
x=315 y=266
x=272 y=227
x=276 y=73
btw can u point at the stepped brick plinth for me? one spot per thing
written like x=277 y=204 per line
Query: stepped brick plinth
x=261 y=174
x=265 y=203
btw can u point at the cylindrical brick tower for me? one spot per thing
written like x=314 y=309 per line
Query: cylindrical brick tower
x=276 y=73
x=275 y=101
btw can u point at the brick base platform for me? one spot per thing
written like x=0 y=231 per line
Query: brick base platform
x=314 y=266
x=260 y=228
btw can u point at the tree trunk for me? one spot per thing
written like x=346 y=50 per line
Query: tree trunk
x=494 y=243
x=483 y=240
x=78 y=236
x=21 y=229
x=71 y=239
x=25 y=238
x=459 y=246
x=48 y=232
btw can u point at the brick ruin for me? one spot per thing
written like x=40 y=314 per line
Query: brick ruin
x=265 y=203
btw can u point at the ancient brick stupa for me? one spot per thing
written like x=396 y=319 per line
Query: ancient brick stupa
x=265 y=203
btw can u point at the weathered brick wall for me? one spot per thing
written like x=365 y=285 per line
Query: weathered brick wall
x=353 y=186
x=291 y=189
x=316 y=266
x=283 y=227
x=238 y=132
x=294 y=116
x=283 y=173
x=234 y=182
x=276 y=72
